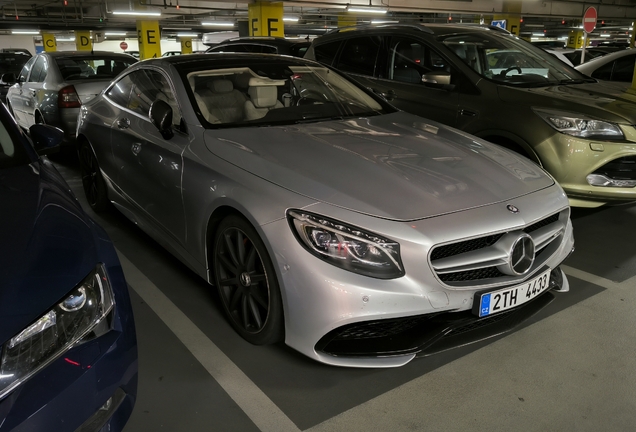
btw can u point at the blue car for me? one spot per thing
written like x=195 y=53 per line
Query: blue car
x=68 y=349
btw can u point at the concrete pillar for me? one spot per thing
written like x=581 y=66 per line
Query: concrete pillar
x=266 y=19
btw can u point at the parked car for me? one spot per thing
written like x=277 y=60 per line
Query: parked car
x=358 y=234
x=10 y=64
x=581 y=131
x=560 y=55
x=170 y=53
x=24 y=51
x=135 y=54
x=263 y=44
x=617 y=67
x=52 y=86
x=67 y=335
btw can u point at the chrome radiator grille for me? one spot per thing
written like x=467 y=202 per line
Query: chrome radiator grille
x=479 y=260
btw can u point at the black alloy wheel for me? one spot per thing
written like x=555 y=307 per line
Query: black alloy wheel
x=92 y=180
x=246 y=282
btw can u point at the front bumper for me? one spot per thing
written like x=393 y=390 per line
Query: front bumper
x=570 y=160
x=92 y=385
x=320 y=300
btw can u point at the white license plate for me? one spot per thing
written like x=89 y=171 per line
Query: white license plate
x=507 y=298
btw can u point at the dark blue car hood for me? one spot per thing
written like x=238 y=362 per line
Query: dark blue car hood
x=47 y=245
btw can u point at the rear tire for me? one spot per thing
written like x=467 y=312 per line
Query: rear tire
x=92 y=179
x=246 y=282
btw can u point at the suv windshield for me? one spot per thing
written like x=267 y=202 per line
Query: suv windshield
x=276 y=93
x=507 y=59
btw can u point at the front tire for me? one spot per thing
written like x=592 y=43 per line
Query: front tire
x=92 y=179
x=247 y=283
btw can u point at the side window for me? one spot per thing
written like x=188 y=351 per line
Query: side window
x=39 y=72
x=24 y=73
x=359 y=55
x=410 y=59
x=120 y=92
x=149 y=86
x=624 y=69
x=604 y=72
x=326 y=53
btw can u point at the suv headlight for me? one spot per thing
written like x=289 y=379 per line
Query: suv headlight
x=79 y=316
x=579 y=125
x=346 y=246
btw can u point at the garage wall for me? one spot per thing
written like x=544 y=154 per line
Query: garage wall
x=133 y=45
x=17 y=41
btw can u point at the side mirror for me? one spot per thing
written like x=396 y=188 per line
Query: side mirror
x=46 y=139
x=439 y=78
x=161 y=116
x=8 y=78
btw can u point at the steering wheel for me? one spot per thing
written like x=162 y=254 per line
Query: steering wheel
x=308 y=97
x=503 y=73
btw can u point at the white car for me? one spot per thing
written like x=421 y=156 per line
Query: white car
x=617 y=67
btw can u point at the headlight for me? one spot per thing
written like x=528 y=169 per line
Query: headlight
x=79 y=316
x=346 y=246
x=579 y=125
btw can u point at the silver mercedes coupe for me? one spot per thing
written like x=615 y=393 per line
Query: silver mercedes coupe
x=358 y=234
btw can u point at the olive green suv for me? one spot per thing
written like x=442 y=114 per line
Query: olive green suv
x=489 y=83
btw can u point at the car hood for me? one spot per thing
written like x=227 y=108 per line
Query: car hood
x=395 y=166
x=605 y=101
x=47 y=245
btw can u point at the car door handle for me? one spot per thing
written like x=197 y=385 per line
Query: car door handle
x=123 y=123
x=468 y=113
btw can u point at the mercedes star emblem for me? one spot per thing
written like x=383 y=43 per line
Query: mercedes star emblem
x=512 y=209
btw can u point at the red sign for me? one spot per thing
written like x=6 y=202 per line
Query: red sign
x=589 y=20
x=123 y=46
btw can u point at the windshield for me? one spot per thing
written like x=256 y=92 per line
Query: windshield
x=507 y=59
x=92 y=67
x=276 y=93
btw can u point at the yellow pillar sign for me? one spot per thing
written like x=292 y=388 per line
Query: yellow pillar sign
x=186 y=45
x=83 y=41
x=266 y=19
x=575 y=39
x=346 y=20
x=149 y=39
x=48 y=40
x=512 y=15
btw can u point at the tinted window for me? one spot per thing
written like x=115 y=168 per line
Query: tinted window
x=92 y=67
x=12 y=62
x=604 y=72
x=326 y=53
x=25 y=70
x=409 y=60
x=624 y=69
x=230 y=48
x=39 y=72
x=120 y=92
x=148 y=87
x=299 y=50
x=359 y=55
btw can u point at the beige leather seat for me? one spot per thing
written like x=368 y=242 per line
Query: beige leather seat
x=263 y=98
x=224 y=104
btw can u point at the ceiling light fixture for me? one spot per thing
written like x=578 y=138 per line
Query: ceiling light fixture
x=187 y=34
x=26 y=32
x=384 y=22
x=367 y=9
x=538 y=34
x=290 y=19
x=65 y=39
x=605 y=35
x=177 y=28
x=137 y=13
x=218 y=24
x=115 y=34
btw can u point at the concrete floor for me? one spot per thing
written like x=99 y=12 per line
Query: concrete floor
x=570 y=368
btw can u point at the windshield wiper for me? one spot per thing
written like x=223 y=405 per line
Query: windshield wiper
x=577 y=81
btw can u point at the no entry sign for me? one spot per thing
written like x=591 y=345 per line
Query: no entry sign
x=589 y=19
x=123 y=46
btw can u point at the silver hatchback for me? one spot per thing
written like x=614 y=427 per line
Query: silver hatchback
x=52 y=86
x=358 y=234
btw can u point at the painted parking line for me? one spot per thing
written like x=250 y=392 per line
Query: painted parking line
x=593 y=279
x=251 y=399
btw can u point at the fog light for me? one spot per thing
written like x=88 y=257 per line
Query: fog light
x=603 y=181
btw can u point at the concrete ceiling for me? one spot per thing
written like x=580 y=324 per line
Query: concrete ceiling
x=555 y=17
